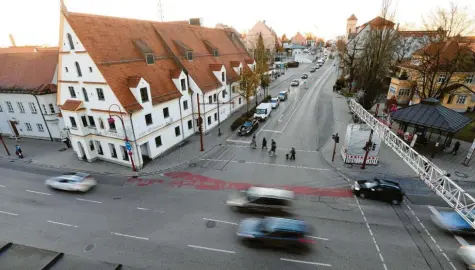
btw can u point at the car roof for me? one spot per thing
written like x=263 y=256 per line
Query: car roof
x=454 y=219
x=274 y=98
x=270 y=193
x=286 y=224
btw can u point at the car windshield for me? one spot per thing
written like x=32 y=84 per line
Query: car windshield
x=247 y=124
x=261 y=111
x=370 y=184
x=281 y=94
x=273 y=100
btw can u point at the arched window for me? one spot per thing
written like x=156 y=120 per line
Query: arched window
x=84 y=92
x=78 y=68
x=70 y=40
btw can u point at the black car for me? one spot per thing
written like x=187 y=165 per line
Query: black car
x=304 y=76
x=379 y=189
x=313 y=70
x=248 y=127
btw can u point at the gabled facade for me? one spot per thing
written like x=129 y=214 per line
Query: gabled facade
x=149 y=77
x=28 y=94
x=268 y=35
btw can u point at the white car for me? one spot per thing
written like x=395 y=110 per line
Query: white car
x=81 y=182
x=467 y=255
x=275 y=102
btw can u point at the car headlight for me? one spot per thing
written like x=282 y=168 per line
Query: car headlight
x=357 y=188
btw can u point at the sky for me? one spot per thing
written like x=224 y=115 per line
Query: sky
x=36 y=22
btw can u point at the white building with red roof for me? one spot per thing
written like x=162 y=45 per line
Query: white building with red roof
x=150 y=77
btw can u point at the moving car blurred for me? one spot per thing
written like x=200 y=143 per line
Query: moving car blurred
x=248 y=127
x=313 y=70
x=283 y=95
x=295 y=83
x=467 y=256
x=276 y=232
x=262 y=199
x=452 y=221
x=304 y=76
x=379 y=189
x=275 y=102
x=78 y=181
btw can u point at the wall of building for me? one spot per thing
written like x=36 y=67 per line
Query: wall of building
x=401 y=89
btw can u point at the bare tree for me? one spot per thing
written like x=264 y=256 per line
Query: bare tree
x=378 y=50
x=348 y=54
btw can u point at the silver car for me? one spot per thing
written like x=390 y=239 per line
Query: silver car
x=467 y=255
x=81 y=182
x=262 y=199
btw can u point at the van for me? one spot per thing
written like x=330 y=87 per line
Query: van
x=263 y=111
x=262 y=199
x=283 y=95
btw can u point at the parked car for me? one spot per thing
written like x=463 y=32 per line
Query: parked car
x=317 y=66
x=262 y=199
x=73 y=181
x=283 y=95
x=263 y=111
x=295 y=83
x=451 y=221
x=276 y=232
x=248 y=127
x=292 y=64
x=467 y=256
x=313 y=70
x=275 y=102
x=379 y=189
x=304 y=76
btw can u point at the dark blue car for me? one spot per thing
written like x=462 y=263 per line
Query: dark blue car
x=276 y=232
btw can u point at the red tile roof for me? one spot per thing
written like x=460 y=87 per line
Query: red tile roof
x=215 y=67
x=133 y=81
x=417 y=33
x=71 y=105
x=28 y=72
x=378 y=22
x=235 y=63
x=26 y=49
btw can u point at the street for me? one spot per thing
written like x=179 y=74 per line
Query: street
x=178 y=219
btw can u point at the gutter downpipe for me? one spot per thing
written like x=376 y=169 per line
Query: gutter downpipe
x=43 y=116
x=136 y=146
x=181 y=120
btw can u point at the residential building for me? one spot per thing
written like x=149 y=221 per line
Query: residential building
x=299 y=39
x=268 y=35
x=457 y=87
x=28 y=85
x=150 y=77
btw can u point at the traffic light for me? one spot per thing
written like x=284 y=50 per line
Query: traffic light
x=367 y=146
x=374 y=147
x=336 y=138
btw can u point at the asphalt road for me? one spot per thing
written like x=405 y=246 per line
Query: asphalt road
x=162 y=222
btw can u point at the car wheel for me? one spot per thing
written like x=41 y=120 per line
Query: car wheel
x=362 y=195
x=235 y=209
x=395 y=202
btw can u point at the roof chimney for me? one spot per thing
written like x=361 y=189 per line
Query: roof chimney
x=196 y=21
x=12 y=40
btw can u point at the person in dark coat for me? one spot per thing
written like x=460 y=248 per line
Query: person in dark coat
x=456 y=148
x=264 y=143
x=292 y=153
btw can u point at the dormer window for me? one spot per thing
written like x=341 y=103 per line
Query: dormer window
x=144 y=94
x=222 y=77
x=240 y=70
x=183 y=84
x=189 y=55
x=150 y=58
x=215 y=52
x=70 y=40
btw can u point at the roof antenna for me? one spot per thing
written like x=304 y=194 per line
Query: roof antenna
x=160 y=10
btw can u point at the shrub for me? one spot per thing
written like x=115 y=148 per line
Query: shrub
x=243 y=118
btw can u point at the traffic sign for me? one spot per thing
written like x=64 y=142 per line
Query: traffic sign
x=128 y=146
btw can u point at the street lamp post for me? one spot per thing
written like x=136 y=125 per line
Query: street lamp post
x=126 y=138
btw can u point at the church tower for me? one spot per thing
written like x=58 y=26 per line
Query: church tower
x=351 y=25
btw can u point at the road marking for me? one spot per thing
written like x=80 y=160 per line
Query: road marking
x=371 y=233
x=238 y=141
x=221 y=221
x=146 y=209
x=212 y=249
x=269 y=130
x=2 y=186
x=130 y=236
x=433 y=210
x=265 y=164
x=461 y=240
x=306 y=262
x=84 y=200
x=37 y=192
x=140 y=208
x=319 y=238
x=63 y=224
x=280 y=118
x=8 y=213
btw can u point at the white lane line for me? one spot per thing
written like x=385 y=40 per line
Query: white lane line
x=269 y=130
x=84 y=200
x=319 y=238
x=433 y=210
x=461 y=240
x=146 y=209
x=220 y=221
x=8 y=213
x=130 y=236
x=62 y=224
x=372 y=235
x=238 y=141
x=280 y=118
x=2 y=186
x=37 y=192
x=212 y=249
x=265 y=164
x=306 y=262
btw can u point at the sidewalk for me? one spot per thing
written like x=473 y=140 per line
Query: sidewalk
x=56 y=155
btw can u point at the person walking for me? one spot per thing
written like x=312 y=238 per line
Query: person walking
x=253 y=142
x=273 y=147
x=264 y=143
x=18 y=151
x=292 y=153
x=456 y=148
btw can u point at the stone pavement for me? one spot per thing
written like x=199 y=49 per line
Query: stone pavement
x=390 y=166
x=56 y=155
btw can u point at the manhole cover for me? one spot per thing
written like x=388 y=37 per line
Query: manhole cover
x=210 y=223
x=242 y=161
x=116 y=198
x=192 y=164
x=89 y=247
x=62 y=150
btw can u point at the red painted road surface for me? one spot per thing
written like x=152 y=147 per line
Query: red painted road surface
x=200 y=182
